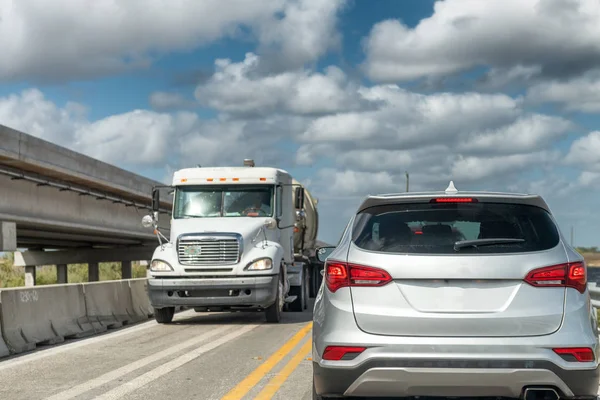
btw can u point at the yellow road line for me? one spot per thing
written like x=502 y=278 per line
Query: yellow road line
x=275 y=383
x=238 y=392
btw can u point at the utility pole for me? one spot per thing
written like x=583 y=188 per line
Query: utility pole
x=407 y=179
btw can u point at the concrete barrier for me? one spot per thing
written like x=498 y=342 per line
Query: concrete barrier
x=43 y=315
x=3 y=347
x=109 y=304
x=50 y=314
x=139 y=298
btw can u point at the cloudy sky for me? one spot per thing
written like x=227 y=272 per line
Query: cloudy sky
x=347 y=95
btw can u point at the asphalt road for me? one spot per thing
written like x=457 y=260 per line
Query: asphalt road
x=219 y=356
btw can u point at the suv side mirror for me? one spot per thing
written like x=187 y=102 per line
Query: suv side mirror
x=324 y=252
x=299 y=200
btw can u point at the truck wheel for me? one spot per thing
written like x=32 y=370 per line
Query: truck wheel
x=164 y=315
x=305 y=289
x=314 y=281
x=302 y=292
x=273 y=312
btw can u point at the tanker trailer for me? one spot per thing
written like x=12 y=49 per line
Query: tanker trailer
x=305 y=240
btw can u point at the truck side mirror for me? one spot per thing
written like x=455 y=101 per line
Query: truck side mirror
x=299 y=201
x=155 y=200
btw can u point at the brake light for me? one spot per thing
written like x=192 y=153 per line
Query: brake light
x=563 y=275
x=581 y=354
x=335 y=275
x=336 y=353
x=340 y=274
x=454 y=200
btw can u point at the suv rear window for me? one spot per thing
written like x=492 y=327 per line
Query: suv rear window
x=434 y=228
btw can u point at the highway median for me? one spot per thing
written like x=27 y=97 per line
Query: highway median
x=47 y=315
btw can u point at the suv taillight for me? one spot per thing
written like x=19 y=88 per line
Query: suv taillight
x=340 y=274
x=563 y=275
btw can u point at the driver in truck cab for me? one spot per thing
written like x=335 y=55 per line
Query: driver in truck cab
x=257 y=205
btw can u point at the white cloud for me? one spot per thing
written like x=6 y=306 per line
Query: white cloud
x=585 y=152
x=135 y=138
x=304 y=33
x=474 y=138
x=32 y=113
x=78 y=39
x=475 y=169
x=515 y=37
x=348 y=183
x=405 y=119
x=142 y=138
x=227 y=142
x=469 y=137
x=239 y=88
x=589 y=179
x=527 y=133
x=169 y=101
x=579 y=94
x=407 y=124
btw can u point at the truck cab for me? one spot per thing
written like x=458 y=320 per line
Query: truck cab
x=231 y=244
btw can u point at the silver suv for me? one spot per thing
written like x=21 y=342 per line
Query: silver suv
x=454 y=294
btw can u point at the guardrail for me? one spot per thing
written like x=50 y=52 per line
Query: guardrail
x=50 y=314
x=594 y=294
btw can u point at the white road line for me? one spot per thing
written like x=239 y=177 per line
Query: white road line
x=164 y=369
x=12 y=363
x=119 y=373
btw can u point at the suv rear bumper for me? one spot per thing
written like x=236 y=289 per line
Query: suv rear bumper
x=437 y=377
x=246 y=292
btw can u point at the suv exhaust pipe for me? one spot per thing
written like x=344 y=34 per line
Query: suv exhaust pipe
x=540 y=393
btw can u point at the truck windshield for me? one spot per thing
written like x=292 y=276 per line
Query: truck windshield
x=223 y=201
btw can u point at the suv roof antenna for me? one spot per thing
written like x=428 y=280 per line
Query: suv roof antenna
x=451 y=188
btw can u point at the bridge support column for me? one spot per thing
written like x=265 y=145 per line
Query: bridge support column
x=62 y=273
x=8 y=236
x=126 y=270
x=30 y=275
x=93 y=272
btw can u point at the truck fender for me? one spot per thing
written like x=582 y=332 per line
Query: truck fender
x=296 y=273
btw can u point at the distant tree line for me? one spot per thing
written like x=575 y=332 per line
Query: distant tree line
x=587 y=249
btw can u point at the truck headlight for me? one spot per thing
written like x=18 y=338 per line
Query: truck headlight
x=260 y=265
x=160 y=266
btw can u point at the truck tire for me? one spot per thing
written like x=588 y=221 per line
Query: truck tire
x=273 y=312
x=164 y=315
x=302 y=293
x=316 y=279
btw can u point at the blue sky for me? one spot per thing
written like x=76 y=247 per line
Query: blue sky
x=346 y=95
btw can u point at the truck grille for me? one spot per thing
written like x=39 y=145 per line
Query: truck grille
x=200 y=251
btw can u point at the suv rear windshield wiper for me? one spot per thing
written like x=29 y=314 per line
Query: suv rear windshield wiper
x=484 y=242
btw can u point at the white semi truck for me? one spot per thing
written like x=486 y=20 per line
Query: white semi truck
x=241 y=238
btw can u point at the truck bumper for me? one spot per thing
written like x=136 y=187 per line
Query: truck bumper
x=235 y=292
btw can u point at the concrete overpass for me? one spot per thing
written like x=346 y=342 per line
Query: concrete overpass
x=57 y=199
